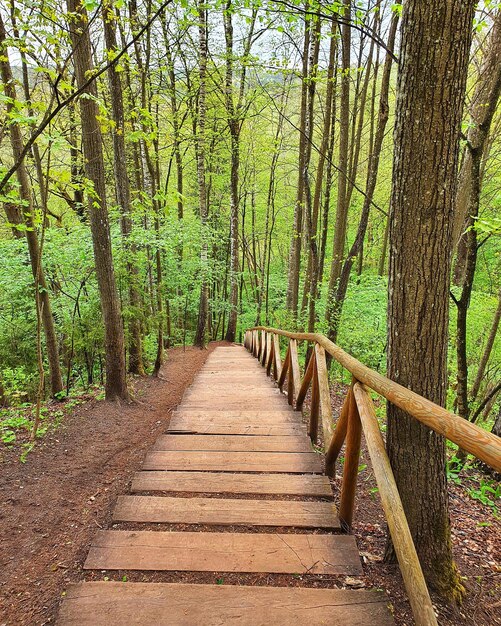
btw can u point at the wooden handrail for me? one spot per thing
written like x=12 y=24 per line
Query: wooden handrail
x=470 y=437
x=405 y=550
x=357 y=416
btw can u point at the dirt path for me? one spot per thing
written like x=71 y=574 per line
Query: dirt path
x=51 y=506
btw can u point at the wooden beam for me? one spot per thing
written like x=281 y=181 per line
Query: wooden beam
x=285 y=368
x=482 y=444
x=405 y=550
x=339 y=436
x=278 y=359
x=351 y=462
x=296 y=372
x=308 y=375
x=325 y=396
x=315 y=403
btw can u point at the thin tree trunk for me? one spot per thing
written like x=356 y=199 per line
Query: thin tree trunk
x=297 y=228
x=200 y=140
x=123 y=193
x=342 y=286
x=487 y=351
x=342 y=185
x=487 y=82
x=116 y=379
x=324 y=147
x=25 y=191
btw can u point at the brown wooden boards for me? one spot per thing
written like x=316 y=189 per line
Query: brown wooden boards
x=236 y=427
x=290 y=462
x=224 y=482
x=235 y=443
x=224 y=552
x=226 y=512
x=250 y=417
x=160 y=604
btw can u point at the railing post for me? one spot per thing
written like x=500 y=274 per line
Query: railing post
x=339 y=436
x=405 y=550
x=294 y=373
x=308 y=375
x=269 y=357
x=351 y=461
x=278 y=358
x=324 y=394
x=315 y=403
x=285 y=368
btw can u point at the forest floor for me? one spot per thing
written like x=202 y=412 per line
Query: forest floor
x=52 y=505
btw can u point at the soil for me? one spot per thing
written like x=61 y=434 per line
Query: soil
x=51 y=507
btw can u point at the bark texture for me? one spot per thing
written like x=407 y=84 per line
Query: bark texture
x=436 y=38
x=116 y=380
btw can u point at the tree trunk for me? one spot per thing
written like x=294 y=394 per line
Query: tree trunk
x=487 y=351
x=313 y=261
x=436 y=38
x=234 y=127
x=479 y=132
x=342 y=185
x=297 y=228
x=123 y=193
x=339 y=295
x=485 y=92
x=116 y=379
x=203 y=308
x=25 y=191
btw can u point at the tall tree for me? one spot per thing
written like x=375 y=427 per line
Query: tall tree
x=342 y=202
x=234 y=115
x=26 y=217
x=436 y=38
x=123 y=190
x=484 y=99
x=116 y=379
x=200 y=141
x=337 y=298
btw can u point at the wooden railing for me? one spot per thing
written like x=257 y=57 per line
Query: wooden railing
x=358 y=415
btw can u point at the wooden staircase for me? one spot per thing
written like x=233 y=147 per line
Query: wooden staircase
x=233 y=487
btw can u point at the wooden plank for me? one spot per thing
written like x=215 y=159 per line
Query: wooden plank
x=296 y=372
x=277 y=357
x=225 y=512
x=165 y=604
x=233 y=393
x=222 y=482
x=234 y=443
x=324 y=395
x=289 y=462
x=251 y=417
x=233 y=427
x=410 y=566
x=224 y=552
x=233 y=404
x=339 y=435
x=247 y=412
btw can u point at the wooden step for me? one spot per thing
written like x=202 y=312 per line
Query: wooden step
x=234 y=443
x=280 y=416
x=228 y=404
x=226 y=512
x=222 y=482
x=265 y=462
x=224 y=552
x=164 y=604
x=234 y=427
